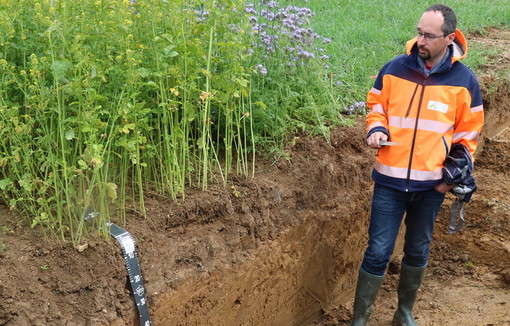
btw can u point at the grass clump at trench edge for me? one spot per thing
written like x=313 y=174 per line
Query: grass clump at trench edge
x=101 y=101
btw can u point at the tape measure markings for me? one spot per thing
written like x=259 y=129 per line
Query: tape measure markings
x=127 y=244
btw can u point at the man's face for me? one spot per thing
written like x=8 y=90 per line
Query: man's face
x=432 y=42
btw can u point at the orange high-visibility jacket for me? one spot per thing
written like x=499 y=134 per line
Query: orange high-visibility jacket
x=425 y=115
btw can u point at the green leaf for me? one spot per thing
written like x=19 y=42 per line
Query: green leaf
x=52 y=28
x=5 y=183
x=25 y=183
x=40 y=219
x=83 y=165
x=60 y=68
x=111 y=189
x=261 y=104
x=172 y=54
x=144 y=72
x=167 y=37
x=168 y=51
x=241 y=81
x=69 y=134
x=153 y=84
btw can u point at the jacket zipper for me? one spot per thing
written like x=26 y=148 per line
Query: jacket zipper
x=408 y=181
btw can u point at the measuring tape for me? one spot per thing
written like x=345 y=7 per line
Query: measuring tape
x=127 y=243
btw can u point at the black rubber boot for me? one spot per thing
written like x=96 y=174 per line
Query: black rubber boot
x=410 y=281
x=366 y=291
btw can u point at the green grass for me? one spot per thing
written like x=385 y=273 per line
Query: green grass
x=367 y=34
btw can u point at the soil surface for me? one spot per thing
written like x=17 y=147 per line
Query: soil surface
x=282 y=248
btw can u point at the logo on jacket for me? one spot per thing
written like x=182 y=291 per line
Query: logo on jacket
x=437 y=106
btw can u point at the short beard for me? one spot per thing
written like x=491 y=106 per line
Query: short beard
x=424 y=56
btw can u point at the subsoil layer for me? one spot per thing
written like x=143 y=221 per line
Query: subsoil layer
x=282 y=248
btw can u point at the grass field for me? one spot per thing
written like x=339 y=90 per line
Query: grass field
x=367 y=34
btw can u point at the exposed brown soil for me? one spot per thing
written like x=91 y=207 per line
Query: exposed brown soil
x=282 y=248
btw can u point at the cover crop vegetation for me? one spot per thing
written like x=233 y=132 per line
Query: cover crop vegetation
x=102 y=100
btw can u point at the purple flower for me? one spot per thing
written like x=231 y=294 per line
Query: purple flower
x=202 y=15
x=272 y=4
x=355 y=108
x=287 y=28
x=235 y=28
x=261 y=69
x=249 y=8
x=306 y=54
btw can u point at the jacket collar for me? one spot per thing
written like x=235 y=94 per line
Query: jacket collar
x=442 y=65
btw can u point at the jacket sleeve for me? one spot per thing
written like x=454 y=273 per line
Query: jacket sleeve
x=469 y=117
x=377 y=119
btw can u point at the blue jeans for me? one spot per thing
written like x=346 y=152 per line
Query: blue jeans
x=388 y=208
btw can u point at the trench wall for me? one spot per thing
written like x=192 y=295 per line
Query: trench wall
x=288 y=281
x=310 y=264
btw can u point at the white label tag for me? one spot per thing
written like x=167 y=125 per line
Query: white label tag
x=437 y=106
x=128 y=244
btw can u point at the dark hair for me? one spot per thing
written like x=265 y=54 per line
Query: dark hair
x=450 y=20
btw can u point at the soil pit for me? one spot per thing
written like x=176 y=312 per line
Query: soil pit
x=280 y=249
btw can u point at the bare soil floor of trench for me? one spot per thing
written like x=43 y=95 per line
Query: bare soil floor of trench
x=280 y=249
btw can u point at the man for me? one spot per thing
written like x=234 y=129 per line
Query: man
x=427 y=104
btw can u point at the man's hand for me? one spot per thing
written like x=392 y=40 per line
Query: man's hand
x=443 y=187
x=374 y=139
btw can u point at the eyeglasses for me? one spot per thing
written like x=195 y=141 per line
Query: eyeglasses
x=428 y=36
